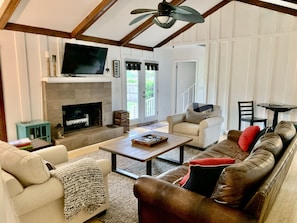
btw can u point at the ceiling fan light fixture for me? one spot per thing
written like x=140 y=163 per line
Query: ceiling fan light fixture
x=166 y=25
x=163 y=19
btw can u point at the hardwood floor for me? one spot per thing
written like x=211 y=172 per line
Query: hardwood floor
x=284 y=209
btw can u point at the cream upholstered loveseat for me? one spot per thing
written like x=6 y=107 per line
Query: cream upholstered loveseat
x=203 y=127
x=34 y=195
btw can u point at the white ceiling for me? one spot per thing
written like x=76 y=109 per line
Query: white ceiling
x=113 y=25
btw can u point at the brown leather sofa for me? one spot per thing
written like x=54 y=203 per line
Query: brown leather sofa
x=162 y=200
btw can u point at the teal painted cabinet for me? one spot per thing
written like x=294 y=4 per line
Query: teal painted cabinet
x=34 y=129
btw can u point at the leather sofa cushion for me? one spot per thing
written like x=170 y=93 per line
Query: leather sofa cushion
x=271 y=142
x=286 y=130
x=238 y=180
x=28 y=168
x=225 y=149
x=186 y=128
x=174 y=175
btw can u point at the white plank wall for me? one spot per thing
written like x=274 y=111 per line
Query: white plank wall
x=252 y=55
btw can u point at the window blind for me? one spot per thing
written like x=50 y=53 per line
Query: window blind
x=133 y=65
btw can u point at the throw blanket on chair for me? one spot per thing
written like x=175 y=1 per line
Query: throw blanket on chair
x=202 y=107
x=83 y=186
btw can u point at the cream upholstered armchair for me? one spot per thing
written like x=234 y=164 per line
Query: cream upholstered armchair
x=35 y=195
x=203 y=127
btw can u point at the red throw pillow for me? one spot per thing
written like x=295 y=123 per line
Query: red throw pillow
x=247 y=137
x=206 y=162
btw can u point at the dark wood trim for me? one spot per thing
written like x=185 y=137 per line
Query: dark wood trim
x=271 y=6
x=139 y=47
x=92 y=17
x=98 y=40
x=10 y=8
x=36 y=30
x=3 y=132
x=136 y=32
x=188 y=26
x=291 y=1
x=144 y=26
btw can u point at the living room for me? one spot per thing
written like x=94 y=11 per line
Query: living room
x=250 y=53
x=250 y=57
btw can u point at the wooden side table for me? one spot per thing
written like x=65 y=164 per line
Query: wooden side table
x=121 y=118
x=39 y=144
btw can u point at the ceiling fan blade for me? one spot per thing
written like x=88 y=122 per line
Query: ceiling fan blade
x=137 y=19
x=137 y=11
x=188 y=17
x=193 y=16
x=166 y=25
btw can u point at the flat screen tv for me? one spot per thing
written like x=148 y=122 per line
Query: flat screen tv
x=82 y=59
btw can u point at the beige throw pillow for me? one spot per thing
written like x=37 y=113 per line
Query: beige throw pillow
x=195 y=117
x=27 y=167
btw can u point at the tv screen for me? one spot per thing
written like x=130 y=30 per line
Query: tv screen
x=82 y=59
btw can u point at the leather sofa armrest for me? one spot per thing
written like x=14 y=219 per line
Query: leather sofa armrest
x=174 y=119
x=234 y=135
x=184 y=204
x=54 y=154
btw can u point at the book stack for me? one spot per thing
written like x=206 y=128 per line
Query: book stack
x=24 y=143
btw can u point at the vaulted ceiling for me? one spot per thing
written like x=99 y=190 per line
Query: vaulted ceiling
x=107 y=21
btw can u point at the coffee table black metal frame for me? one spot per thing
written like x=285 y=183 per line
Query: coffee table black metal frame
x=172 y=143
x=115 y=169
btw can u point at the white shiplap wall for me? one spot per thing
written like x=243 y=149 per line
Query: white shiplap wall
x=252 y=55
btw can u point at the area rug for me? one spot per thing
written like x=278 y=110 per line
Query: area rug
x=123 y=204
x=153 y=126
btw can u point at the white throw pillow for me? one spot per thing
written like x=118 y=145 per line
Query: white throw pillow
x=28 y=168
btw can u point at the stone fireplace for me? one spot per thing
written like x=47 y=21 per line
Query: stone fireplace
x=91 y=107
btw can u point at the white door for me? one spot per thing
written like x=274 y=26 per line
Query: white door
x=141 y=95
x=185 y=84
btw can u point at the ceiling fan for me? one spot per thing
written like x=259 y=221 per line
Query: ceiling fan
x=167 y=14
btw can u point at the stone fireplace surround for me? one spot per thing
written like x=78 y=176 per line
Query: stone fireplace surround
x=56 y=95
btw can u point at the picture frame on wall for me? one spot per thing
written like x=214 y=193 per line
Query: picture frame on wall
x=116 y=68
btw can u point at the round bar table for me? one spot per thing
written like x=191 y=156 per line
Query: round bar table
x=276 y=108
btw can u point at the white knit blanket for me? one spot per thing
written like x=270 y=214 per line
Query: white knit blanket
x=83 y=186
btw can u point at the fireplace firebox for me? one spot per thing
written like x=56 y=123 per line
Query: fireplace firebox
x=81 y=116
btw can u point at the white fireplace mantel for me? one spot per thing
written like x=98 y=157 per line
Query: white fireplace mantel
x=76 y=79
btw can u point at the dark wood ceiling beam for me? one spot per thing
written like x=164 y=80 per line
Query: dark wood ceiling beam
x=136 y=32
x=55 y=33
x=7 y=9
x=188 y=26
x=36 y=30
x=144 y=26
x=98 y=40
x=139 y=47
x=271 y=6
x=92 y=17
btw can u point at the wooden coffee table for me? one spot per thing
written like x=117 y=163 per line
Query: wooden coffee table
x=142 y=153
